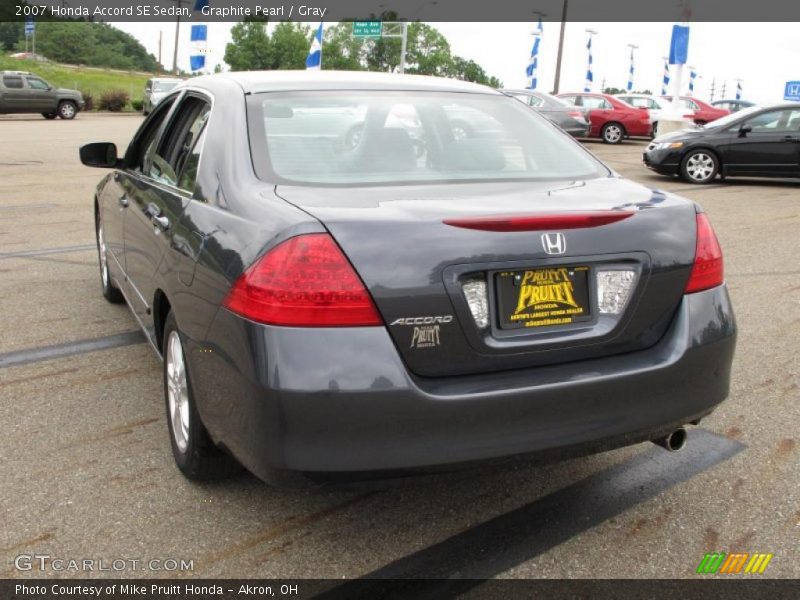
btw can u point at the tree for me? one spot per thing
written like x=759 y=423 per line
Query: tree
x=249 y=48
x=252 y=49
x=340 y=50
x=90 y=43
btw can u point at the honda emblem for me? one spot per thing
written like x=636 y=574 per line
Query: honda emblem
x=554 y=243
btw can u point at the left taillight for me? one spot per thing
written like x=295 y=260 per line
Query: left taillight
x=305 y=281
x=707 y=270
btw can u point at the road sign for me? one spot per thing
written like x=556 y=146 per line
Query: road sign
x=367 y=29
x=30 y=26
x=792 y=91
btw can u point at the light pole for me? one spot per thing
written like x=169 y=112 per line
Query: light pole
x=557 y=81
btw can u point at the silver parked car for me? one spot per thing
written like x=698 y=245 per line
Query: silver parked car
x=155 y=89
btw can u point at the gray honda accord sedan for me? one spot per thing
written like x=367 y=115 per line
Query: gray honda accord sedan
x=412 y=299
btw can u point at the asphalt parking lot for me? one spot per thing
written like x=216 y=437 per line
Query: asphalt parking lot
x=87 y=470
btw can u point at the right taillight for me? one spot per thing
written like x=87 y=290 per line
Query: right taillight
x=305 y=281
x=707 y=271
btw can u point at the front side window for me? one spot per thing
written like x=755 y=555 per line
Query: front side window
x=398 y=137
x=775 y=121
x=145 y=139
x=37 y=84
x=12 y=82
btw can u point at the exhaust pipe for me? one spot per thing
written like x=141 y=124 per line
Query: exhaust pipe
x=674 y=441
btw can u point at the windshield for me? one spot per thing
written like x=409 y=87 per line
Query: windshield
x=376 y=137
x=728 y=119
x=164 y=86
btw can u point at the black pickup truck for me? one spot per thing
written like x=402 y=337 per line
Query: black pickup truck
x=22 y=92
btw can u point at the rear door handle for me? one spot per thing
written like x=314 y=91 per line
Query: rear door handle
x=123 y=201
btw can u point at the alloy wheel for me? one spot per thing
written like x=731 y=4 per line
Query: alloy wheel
x=613 y=134
x=177 y=391
x=700 y=166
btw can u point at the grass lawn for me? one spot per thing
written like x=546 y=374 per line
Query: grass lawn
x=90 y=80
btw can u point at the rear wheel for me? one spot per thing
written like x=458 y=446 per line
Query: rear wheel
x=195 y=454
x=699 y=166
x=612 y=133
x=50 y=115
x=110 y=291
x=67 y=110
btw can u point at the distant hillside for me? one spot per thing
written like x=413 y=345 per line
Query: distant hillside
x=81 y=43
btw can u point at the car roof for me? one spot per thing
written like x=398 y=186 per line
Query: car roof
x=254 y=82
x=15 y=73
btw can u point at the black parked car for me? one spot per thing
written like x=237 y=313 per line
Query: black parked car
x=23 y=92
x=571 y=119
x=757 y=141
x=328 y=308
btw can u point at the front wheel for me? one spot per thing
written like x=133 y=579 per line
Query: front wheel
x=612 y=133
x=654 y=133
x=67 y=110
x=699 y=166
x=110 y=291
x=195 y=454
x=50 y=115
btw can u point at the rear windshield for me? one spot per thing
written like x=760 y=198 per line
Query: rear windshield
x=164 y=86
x=375 y=137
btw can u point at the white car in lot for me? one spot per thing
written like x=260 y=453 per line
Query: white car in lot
x=656 y=107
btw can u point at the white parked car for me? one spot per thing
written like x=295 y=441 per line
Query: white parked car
x=656 y=107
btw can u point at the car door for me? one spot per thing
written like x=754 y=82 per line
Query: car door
x=115 y=195
x=157 y=199
x=42 y=96
x=766 y=144
x=12 y=95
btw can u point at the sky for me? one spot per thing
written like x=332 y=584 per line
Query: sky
x=763 y=55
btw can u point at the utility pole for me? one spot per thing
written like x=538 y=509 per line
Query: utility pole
x=713 y=87
x=724 y=85
x=160 y=38
x=177 y=35
x=403 y=47
x=557 y=81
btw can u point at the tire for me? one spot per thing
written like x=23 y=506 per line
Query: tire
x=195 y=454
x=699 y=166
x=67 y=110
x=654 y=133
x=110 y=291
x=50 y=115
x=612 y=133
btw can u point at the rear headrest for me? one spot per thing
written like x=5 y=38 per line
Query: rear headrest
x=389 y=149
x=473 y=154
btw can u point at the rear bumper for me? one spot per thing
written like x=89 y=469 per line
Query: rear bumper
x=335 y=401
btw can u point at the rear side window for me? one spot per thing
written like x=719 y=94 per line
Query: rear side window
x=12 y=82
x=178 y=154
x=594 y=102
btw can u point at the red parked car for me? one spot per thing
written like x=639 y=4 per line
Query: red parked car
x=703 y=112
x=612 y=119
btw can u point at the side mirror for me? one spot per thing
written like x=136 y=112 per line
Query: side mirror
x=744 y=130
x=100 y=154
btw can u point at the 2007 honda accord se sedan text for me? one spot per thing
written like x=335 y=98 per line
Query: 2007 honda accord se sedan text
x=345 y=282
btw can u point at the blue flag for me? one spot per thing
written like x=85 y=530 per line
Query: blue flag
x=314 y=60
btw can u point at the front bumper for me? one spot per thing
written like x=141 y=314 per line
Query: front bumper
x=666 y=162
x=328 y=402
